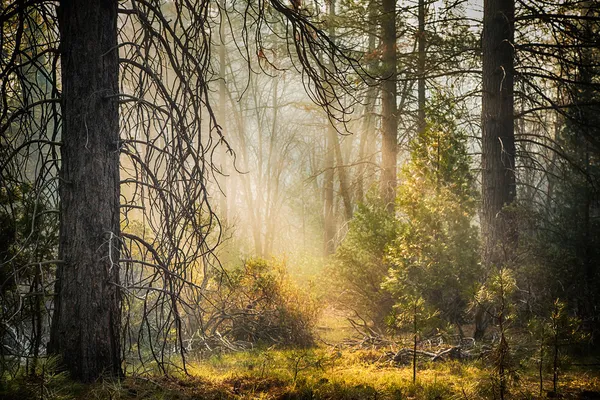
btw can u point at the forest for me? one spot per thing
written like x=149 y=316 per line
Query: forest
x=299 y=199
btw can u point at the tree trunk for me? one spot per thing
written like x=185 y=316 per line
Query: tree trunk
x=365 y=152
x=222 y=119
x=389 y=123
x=422 y=43
x=328 y=184
x=498 y=140
x=342 y=172
x=328 y=214
x=86 y=321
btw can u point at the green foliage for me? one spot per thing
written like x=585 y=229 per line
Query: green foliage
x=45 y=381
x=315 y=373
x=28 y=240
x=358 y=266
x=429 y=249
x=554 y=333
x=496 y=298
x=435 y=255
x=496 y=293
x=28 y=231
x=562 y=239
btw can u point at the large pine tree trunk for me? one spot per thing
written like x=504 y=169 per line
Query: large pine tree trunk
x=422 y=44
x=389 y=123
x=86 y=320
x=498 y=139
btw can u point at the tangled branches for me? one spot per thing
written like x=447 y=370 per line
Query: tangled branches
x=169 y=133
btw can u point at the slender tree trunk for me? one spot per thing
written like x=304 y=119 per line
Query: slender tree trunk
x=222 y=117
x=86 y=320
x=541 y=365
x=586 y=76
x=328 y=184
x=415 y=333
x=342 y=173
x=272 y=178
x=368 y=127
x=332 y=135
x=329 y=220
x=555 y=343
x=389 y=123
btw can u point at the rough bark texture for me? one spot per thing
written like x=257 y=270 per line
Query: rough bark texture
x=389 y=123
x=86 y=321
x=422 y=41
x=498 y=140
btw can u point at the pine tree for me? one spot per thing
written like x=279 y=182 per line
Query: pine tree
x=435 y=255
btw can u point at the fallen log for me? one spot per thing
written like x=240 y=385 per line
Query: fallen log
x=405 y=355
x=453 y=353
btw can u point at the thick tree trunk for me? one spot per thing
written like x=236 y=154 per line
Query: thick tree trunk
x=498 y=139
x=389 y=123
x=86 y=321
x=422 y=44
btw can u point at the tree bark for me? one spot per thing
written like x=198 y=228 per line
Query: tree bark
x=422 y=44
x=498 y=140
x=86 y=321
x=389 y=123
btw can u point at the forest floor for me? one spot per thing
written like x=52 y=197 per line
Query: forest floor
x=334 y=369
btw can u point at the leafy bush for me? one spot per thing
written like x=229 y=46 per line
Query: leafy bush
x=28 y=241
x=358 y=267
x=261 y=305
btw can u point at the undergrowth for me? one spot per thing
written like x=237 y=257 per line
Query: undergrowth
x=317 y=373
